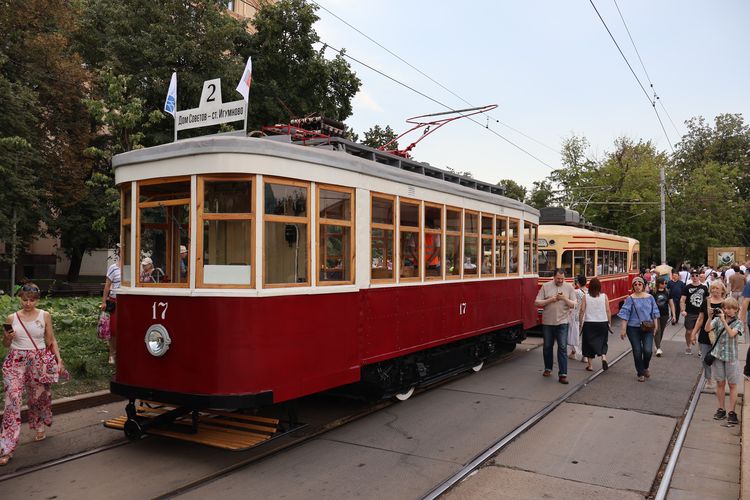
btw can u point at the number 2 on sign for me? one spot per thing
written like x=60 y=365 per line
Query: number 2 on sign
x=462 y=308
x=161 y=305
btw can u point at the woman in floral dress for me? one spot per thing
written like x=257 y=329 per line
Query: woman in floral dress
x=28 y=333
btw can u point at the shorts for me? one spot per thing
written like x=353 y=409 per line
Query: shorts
x=726 y=370
x=690 y=321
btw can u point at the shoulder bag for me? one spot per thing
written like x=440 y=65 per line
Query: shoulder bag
x=646 y=326
x=48 y=370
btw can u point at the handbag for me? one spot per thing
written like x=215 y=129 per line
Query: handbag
x=646 y=326
x=103 y=329
x=48 y=370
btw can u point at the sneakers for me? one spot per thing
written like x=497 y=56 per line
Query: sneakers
x=658 y=352
x=572 y=355
x=563 y=379
x=546 y=373
x=732 y=418
x=688 y=351
x=721 y=414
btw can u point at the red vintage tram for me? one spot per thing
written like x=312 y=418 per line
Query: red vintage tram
x=308 y=268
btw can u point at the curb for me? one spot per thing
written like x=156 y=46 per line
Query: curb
x=75 y=403
x=745 y=446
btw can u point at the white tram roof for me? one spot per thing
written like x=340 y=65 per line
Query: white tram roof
x=564 y=230
x=335 y=153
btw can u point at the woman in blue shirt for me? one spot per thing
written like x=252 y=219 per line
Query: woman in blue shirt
x=640 y=307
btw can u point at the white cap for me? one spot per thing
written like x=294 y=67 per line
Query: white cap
x=147 y=261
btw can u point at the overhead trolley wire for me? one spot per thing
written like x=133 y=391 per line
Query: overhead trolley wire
x=344 y=54
x=656 y=96
x=640 y=84
x=428 y=76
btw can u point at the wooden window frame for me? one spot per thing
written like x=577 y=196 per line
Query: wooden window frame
x=410 y=229
x=286 y=219
x=319 y=221
x=517 y=241
x=125 y=222
x=482 y=238
x=385 y=227
x=152 y=204
x=203 y=216
x=460 y=236
x=478 y=242
x=506 y=246
x=440 y=232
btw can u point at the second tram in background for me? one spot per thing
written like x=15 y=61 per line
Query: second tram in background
x=581 y=249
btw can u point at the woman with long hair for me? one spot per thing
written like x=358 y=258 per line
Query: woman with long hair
x=596 y=318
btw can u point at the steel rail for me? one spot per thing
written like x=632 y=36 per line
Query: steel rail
x=501 y=443
x=666 y=478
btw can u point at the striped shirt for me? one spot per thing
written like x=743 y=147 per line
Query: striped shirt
x=726 y=347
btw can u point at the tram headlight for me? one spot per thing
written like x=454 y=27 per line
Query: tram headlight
x=157 y=340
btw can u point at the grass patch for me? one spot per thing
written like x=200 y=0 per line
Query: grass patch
x=74 y=320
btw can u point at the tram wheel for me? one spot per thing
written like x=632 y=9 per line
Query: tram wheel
x=403 y=396
x=133 y=430
x=478 y=367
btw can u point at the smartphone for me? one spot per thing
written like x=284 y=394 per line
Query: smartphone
x=7 y=327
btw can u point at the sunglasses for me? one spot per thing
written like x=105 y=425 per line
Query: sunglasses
x=30 y=288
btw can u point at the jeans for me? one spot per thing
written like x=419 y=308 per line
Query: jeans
x=551 y=334
x=642 y=343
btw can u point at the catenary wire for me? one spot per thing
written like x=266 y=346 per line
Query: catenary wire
x=640 y=84
x=344 y=54
x=429 y=77
x=656 y=96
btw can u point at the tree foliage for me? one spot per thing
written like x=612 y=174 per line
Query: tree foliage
x=513 y=189
x=377 y=137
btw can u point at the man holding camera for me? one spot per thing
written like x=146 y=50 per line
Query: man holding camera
x=556 y=298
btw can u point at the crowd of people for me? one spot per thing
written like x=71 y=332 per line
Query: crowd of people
x=712 y=302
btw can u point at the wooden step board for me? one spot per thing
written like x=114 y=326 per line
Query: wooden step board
x=220 y=429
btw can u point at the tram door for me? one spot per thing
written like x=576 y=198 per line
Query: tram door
x=164 y=232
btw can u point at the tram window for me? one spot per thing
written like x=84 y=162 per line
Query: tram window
x=590 y=255
x=619 y=267
x=501 y=245
x=513 y=249
x=566 y=262
x=409 y=240
x=382 y=241
x=547 y=263
x=164 y=220
x=452 y=243
x=634 y=262
x=226 y=238
x=226 y=252
x=529 y=247
x=488 y=257
x=285 y=233
x=125 y=233
x=471 y=243
x=579 y=263
x=433 y=239
x=335 y=249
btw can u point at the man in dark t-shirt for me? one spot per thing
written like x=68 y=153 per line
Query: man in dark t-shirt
x=693 y=297
x=663 y=302
x=675 y=287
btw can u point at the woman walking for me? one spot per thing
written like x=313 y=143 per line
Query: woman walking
x=641 y=319
x=28 y=333
x=661 y=296
x=709 y=311
x=574 y=323
x=596 y=318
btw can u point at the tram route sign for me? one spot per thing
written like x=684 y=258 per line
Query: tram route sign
x=211 y=110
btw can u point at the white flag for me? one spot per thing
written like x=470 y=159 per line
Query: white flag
x=244 y=86
x=170 y=105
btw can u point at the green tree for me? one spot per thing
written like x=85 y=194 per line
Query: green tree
x=377 y=137
x=513 y=189
x=290 y=78
x=541 y=194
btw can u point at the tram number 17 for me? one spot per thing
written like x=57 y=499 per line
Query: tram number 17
x=462 y=308
x=161 y=306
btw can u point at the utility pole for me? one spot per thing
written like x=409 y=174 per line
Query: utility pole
x=662 y=188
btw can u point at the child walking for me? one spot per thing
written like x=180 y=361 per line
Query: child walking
x=726 y=368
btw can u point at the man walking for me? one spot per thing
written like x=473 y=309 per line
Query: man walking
x=556 y=297
x=691 y=304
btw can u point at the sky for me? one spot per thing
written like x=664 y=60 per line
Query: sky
x=551 y=68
